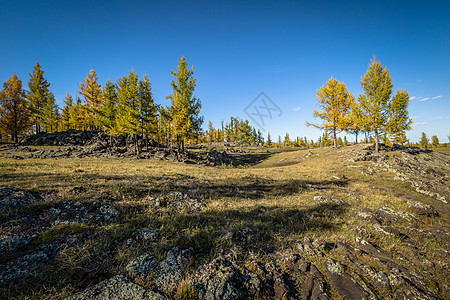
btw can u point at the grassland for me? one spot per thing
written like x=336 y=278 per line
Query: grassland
x=269 y=191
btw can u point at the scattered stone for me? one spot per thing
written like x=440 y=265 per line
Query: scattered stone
x=385 y=215
x=15 y=198
x=222 y=278
x=146 y=234
x=340 y=177
x=246 y=235
x=177 y=200
x=76 y=190
x=70 y=213
x=106 y=211
x=368 y=171
x=322 y=200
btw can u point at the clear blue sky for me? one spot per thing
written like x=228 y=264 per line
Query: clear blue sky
x=287 y=49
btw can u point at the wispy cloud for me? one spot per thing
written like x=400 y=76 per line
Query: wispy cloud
x=438 y=117
x=412 y=98
x=297 y=108
x=413 y=117
x=437 y=97
x=420 y=124
x=424 y=99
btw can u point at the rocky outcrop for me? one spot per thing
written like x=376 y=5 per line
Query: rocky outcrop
x=14 y=198
x=426 y=171
x=73 y=137
x=215 y=158
x=223 y=278
x=116 y=288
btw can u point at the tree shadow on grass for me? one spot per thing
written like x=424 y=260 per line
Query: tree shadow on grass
x=249 y=159
x=256 y=229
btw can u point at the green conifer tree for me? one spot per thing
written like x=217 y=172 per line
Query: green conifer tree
x=107 y=113
x=38 y=94
x=424 y=141
x=435 y=141
x=50 y=113
x=65 y=113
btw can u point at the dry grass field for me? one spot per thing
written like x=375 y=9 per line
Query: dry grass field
x=270 y=193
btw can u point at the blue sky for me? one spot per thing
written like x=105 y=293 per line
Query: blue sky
x=286 y=49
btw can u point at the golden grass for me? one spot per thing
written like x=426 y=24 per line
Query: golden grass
x=274 y=196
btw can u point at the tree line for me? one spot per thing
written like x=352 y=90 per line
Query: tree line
x=124 y=107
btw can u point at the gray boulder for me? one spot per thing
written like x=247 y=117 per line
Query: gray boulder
x=170 y=271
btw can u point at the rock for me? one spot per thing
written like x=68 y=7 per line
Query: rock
x=342 y=282
x=14 y=198
x=307 y=248
x=368 y=171
x=223 y=279
x=106 y=211
x=22 y=266
x=425 y=170
x=177 y=200
x=385 y=215
x=340 y=177
x=70 y=213
x=170 y=271
x=314 y=288
x=322 y=200
x=141 y=266
x=146 y=234
x=116 y=288
x=13 y=243
x=215 y=158
x=246 y=234
x=14 y=157
x=370 y=248
x=423 y=209
x=76 y=190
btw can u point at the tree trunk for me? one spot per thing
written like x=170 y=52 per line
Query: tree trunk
x=334 y=137
x=356 y=134
x=15 y=137
x=376 y=141
x=136 y=148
